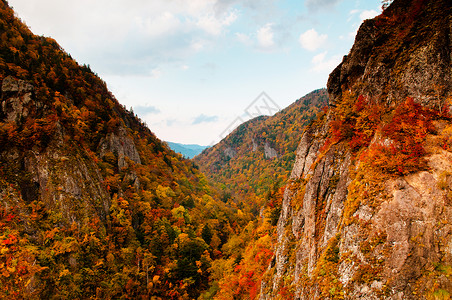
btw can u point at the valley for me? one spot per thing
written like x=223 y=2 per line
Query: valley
x=344 y=194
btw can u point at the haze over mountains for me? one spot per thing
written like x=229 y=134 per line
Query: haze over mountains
x=344 y=194
x=187 y=150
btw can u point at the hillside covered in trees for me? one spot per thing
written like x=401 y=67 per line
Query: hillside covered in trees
x=257 y=157
x=92 y=204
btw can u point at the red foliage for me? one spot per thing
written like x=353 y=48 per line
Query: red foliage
x=402 y=149
x=341 y=129
x=360 y=104
x=10 y=217
x=286 y=293
x=10 y=240
x=355 y=121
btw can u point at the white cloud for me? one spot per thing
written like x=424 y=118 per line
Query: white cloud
x=258 y=9
x=368 y=14
x=265 y=36
x=319 y=58
x=213 y=24
x=315 y=5
x=322 y=63
x=164 y=24
x=311 y=40
x=351 y=14
x=243 y=38
x=197 y=45
x=156 y=73
x=128 y=37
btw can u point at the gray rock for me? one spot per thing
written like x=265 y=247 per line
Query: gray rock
x=269 y=151
x=121 y=145
x=16 y=98
x=229 y=152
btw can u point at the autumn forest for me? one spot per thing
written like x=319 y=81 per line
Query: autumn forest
x=310 y=203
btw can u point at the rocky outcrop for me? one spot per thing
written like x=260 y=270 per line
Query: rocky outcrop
x=311 y=209
x=121 y=145
x=253 y=142
x=59 y=177
x=401 y=240
x=389 y=62
x=67 y=183
x=269 y=152
x=346 y=233
x=16 y=99
x=229 y=152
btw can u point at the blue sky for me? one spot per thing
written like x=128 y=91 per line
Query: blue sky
x=190 y=69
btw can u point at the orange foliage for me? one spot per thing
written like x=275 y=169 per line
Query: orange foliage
x=244 y=282
x=17 y=263
x=355 y=122
x=400 y=149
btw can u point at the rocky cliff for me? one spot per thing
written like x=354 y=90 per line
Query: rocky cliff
x=367 y=214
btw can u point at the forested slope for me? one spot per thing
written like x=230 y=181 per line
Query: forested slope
x=92 y=204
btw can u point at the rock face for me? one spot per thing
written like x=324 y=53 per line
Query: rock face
x=390 y=62
x=121 y=145
x=229 y=152
x=345 y=234
x=16 y=98
x=59 y=175
x=269 y=151
x=66 y=183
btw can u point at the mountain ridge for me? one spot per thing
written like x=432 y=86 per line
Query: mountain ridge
x=265 y=143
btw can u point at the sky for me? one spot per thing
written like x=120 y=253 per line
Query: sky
x=194 y=70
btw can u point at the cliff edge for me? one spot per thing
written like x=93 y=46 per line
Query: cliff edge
x=367 y=213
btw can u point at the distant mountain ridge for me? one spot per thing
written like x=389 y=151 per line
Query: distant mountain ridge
x=187 y=150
